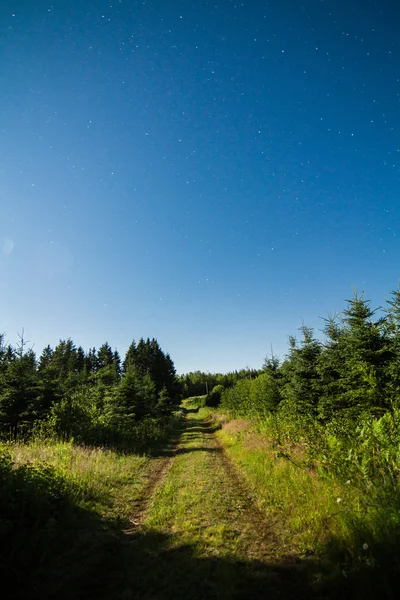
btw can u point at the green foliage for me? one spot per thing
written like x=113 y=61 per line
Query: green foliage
x=328 y=495
x=18 y=393
x=214 y=398
x=253 y=397
x=198 y=383
x=147 y=359
x=88 y=397
x=301 y=382
x=33 y=500
x=59 y=500
x=351 y=375
x=332 y=410
x=353 y=367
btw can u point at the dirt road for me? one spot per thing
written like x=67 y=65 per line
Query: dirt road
x=196 y=533
x=202 y=535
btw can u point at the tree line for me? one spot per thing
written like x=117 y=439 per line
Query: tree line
x=93 y=396
x=352 y=374
x=198 y=383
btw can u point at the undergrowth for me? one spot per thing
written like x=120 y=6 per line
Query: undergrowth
x=334 y=497
x=52 y=491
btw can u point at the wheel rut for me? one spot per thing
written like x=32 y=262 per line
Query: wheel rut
x=159 y=467
x=204 y=524
x=246 y=521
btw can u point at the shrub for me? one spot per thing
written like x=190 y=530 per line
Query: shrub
x=214 y=398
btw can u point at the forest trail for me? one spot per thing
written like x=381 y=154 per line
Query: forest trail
x=200 y=534
x=196 y=533
x=206 y=488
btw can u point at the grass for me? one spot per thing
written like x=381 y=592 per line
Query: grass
x=218 y=512
x=199 y=534
x=191 y=505
x=295 y=498
x=100 y=480
x=61 y=507
x=59 y=504
x=347 y=526
x=204 y=514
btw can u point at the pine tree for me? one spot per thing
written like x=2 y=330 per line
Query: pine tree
x=330 y=368
x=129 y=361
x=80 y=360
x=392 y=332
x=18 y=392
x=107 y=373
x=147 y=359
x=353 y=364
x=50 y=390
x=301 y=386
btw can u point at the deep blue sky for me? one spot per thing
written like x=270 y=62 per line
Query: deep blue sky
x=207 y=173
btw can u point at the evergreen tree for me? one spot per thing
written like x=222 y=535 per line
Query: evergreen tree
x=301 y=389
x=105 y=356
x=117 y=362
x=18 y=393
x=108 y=365
x=91 y=361
x=164 y=404
x=147 y=359
x=353 y=365
x=49 y=388
x=391 y=327
x=330 y=368
x=129 y=361
x=80 y=360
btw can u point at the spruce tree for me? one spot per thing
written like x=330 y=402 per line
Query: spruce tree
x=392 y=330
x=353 y=364
x=18 y=393
x=301 y=383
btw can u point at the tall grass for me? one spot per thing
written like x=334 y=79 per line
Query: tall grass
x=47 y=488
x=53 y=491
x=331 y=495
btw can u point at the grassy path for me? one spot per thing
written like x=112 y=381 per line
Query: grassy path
x=194 y=533
x=201 y=535
x=203 y=503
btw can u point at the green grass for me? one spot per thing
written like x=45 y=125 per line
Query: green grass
x=298 y=501
x=62 y=505
x=100 y=480
x=349 y=527
x=204 y=515
x=191 y=504
x=59 y=505
x=223 y=513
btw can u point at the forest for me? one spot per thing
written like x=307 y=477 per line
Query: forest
x=92 y=397
x=315 y=437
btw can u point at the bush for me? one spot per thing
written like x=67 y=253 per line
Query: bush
x=214 y=398
x=33 y=501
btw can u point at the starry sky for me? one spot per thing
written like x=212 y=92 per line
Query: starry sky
x=210 y=173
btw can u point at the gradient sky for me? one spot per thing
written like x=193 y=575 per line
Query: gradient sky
x=207 y=173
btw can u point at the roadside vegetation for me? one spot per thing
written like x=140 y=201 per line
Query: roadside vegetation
x=318 y=437
x=285 y=479
x=78 y=432
x=62 y=504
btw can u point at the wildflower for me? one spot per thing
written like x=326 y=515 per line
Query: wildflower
x=338 y=500
x=348 y=482
x=365 y=546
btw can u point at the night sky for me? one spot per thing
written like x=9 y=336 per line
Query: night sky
x=207 y=173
